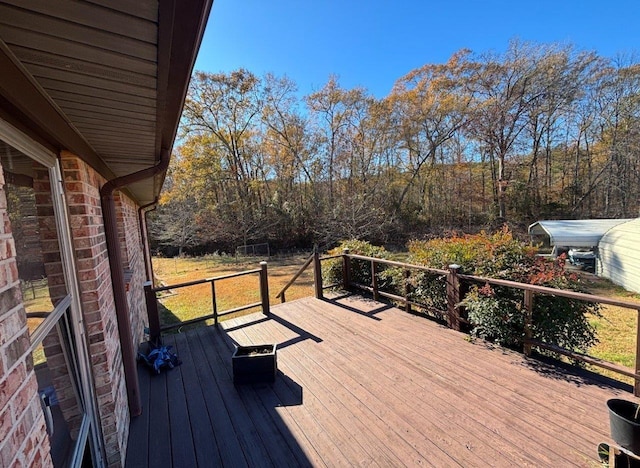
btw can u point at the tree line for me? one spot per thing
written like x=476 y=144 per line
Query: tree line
x=540 y=131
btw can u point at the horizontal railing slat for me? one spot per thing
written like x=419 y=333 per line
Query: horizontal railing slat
x=553 y=291
x=399 y=264
x=330 y=257
x=210 y=316
x=395 y=297
x=239 y=309
x=586 y=358
x=205 y=280
x=187 y=322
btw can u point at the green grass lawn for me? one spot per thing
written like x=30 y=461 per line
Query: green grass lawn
x=616 y=327
x=191 y=302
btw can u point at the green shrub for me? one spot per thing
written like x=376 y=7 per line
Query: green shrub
x=497 y=313
x=360 y=269
x=430 y=290
x=495 y=317
x=496 y=255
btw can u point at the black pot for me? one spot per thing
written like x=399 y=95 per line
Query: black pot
x=625 y=430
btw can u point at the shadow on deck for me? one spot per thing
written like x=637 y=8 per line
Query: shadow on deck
x=363 y=383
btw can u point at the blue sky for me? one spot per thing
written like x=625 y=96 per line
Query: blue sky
x=373 y=43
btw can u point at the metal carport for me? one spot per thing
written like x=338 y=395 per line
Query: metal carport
x=571 y=233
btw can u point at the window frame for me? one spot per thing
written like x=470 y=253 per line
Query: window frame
x=67 y=314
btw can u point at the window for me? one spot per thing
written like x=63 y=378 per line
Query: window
x=44 y=261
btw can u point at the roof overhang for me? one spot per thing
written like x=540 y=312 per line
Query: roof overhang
x=105 y=80
x=572 y=233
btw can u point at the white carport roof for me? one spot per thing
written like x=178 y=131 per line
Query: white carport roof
x=572 y=233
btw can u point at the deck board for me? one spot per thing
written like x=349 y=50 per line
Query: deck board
x=138 y=455
x=213 y=387
x=159 y=437
x=362 y=383
x=182 y=446
x=247 y=421
x=431 y=400
x=207 y=452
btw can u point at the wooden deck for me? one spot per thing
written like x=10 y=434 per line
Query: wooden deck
x=362 y=383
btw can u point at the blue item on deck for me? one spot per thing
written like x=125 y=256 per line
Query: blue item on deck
x=159 y=358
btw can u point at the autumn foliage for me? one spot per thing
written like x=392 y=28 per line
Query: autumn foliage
x=539 y=131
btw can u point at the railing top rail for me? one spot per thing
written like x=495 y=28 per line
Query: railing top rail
x=205 y=280
x=553 y=291
x=399 y=264
x=295 y=277
x=329 y=257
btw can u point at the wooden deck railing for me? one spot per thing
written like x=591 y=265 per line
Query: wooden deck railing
x=531 y=290
x=455 y=285
x=156 y=328
x=314 y=259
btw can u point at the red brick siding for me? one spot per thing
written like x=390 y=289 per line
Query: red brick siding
x=56 y=362
x=23 y=439
x=82 y=186
x=26 y=231
x=133 y=260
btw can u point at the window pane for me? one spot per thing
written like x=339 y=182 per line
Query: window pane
x=33 y=227
x=57 y=392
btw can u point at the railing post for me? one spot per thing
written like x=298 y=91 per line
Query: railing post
x=453 y=296
x=346 y=269
x=374 y=281
x=152 y=313
x=214 y=303
x=264 y=288
x=407 y=291
x=317 y=274
x=528 y=320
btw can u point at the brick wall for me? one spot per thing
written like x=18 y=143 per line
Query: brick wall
x=50 y=249
x=133 y=261
x=82 y=186
x=26 y=232
x=23 y=437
